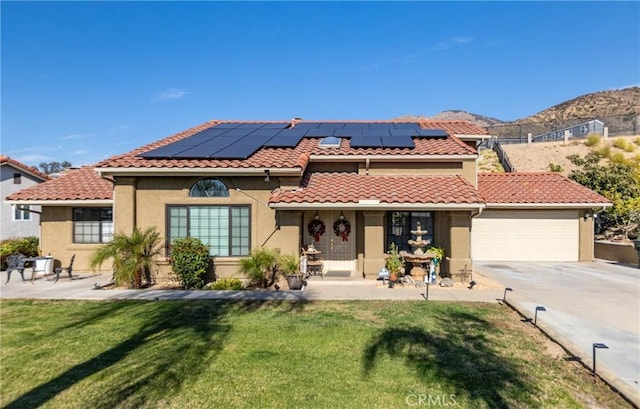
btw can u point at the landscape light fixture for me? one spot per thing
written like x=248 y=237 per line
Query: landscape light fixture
x=504 y=297
x=597 y=345
x=535 y=317
x=472 y=284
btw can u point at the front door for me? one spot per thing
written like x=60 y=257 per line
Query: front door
x=338 y=251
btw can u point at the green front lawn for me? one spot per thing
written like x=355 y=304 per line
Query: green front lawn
x=205 y=354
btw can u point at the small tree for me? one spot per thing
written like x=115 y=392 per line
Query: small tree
x=190 y=261
x=619 y=181
x=54 y=167
x=261 y=266
x=133 y=256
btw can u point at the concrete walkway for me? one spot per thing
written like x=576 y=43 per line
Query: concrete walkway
x=82 y=287
x=585 y=303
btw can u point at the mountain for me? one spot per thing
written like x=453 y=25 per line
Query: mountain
x=620 y=102
x=596 y=105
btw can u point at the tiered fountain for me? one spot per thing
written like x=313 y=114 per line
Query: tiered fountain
x=418 y=257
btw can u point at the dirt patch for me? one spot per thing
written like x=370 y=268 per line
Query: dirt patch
x=538 y=156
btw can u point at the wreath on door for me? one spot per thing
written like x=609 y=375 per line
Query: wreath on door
x=342 y=228
x=316 y=229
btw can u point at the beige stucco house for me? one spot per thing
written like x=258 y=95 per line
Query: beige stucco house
x=349 y=188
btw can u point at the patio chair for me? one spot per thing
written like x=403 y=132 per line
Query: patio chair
x=15 y=262
x=59 y=270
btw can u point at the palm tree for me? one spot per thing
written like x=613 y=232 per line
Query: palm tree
x=132 y=256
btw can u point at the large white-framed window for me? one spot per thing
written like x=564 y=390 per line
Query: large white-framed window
x=225 y=229
x=21 y=213
x=92 y=224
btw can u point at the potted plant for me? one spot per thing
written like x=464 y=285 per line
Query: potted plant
x=394 y=262
x=290 y=268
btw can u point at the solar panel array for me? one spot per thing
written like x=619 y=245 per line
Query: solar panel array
x=241 y=140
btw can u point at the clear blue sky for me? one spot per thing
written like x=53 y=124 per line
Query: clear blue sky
x=84 y=81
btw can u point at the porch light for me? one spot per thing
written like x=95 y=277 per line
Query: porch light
x=266 y=175
x=535 y=317
x=597 y=345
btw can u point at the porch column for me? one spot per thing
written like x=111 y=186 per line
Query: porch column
x=373 y=243
x=585 y=234
x=288 y=237
x=124 y=205
x=459 y=253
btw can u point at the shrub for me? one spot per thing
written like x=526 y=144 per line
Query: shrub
x=190 y=261
x=555 y=168
x=620 y=143
x=593 y=139
x=289 y=264
x=226 y=284
x=261 y=267
x=637 y=141
x=25 y=245
x=604 y=152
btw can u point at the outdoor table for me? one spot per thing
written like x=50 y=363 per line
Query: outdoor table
x=42 y=265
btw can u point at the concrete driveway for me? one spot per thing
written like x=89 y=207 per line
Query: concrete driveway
x=585 y=303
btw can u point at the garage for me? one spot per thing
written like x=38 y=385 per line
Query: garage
x=526 y=235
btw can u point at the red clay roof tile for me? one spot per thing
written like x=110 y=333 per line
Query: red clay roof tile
x=290 y=157
x=75 y=184
x=6 y=160
x=534 y=188
x=353 y=187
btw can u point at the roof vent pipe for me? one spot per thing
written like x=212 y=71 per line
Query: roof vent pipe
x=294 y=121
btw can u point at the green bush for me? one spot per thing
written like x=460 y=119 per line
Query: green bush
x=555 y=168
x=226 y=284
x=190 y=261
x=593 y=139
x=25 y=245
x=621 y=143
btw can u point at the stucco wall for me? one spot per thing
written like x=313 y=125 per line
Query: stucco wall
x=620 y=252
x=16 y=228
x=57 y=240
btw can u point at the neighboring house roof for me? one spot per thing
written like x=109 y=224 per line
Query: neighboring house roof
x=6 y=160
x=530 y=189
x=294 y=158
x=75 y=185
x=356 y=190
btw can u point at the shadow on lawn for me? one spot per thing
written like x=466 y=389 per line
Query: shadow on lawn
x=458 y=355
x=175 y=343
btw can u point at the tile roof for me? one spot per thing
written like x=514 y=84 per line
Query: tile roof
x=352 y=187
x=293 y=157
x=6 y=160
x=534 y=188
x=75 y=184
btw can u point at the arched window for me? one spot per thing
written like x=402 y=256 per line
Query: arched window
x=209 y=188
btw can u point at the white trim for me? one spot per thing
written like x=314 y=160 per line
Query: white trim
x=472 y=137
x=296 y=171
x=389 y=158
x=372 y=206
x=546 y=205
x=95 y=202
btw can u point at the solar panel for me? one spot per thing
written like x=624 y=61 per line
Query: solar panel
x=165 y=151
x=250 y=126
x=319 y=132
x=332 y=125
x=280 y=125
x=346 y=133
x=403 y=132
x=397 y=141
x=375 y=132
x=227 y=125
x=235 y=152
x=200 y=151
x=432 y=132
x=308 y=125
x=283 y=141
x=366 y=142
x=355 y=125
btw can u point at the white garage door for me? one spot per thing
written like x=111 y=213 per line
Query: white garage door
x=525 y=236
